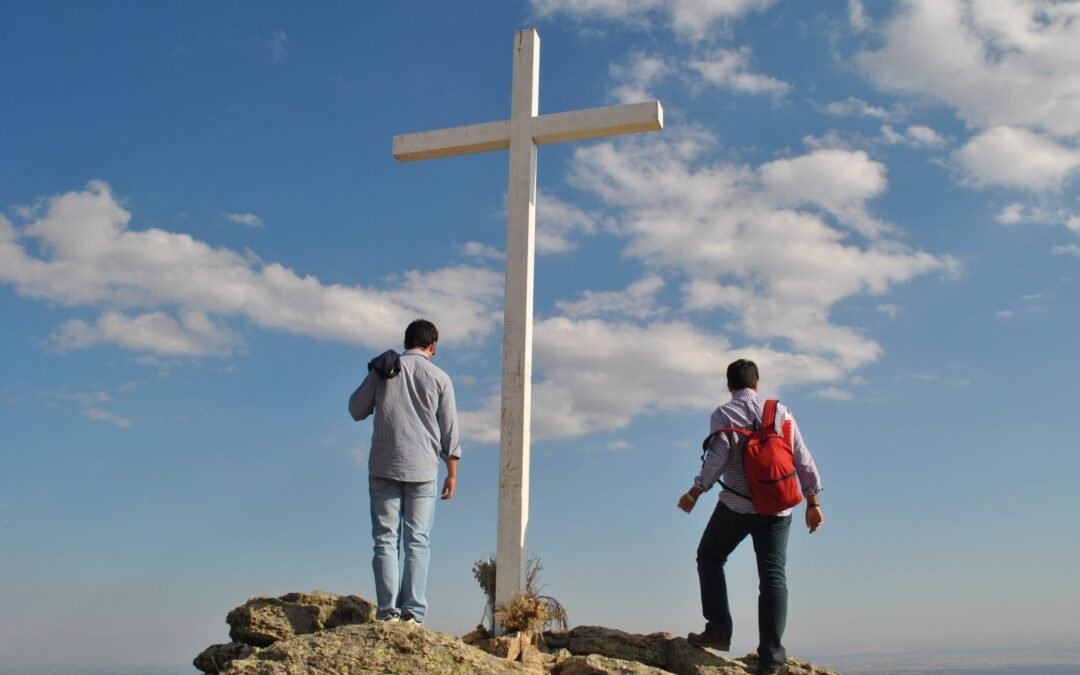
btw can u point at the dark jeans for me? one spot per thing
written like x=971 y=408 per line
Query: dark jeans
x=770 y=534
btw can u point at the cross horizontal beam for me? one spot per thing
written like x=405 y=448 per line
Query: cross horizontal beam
x=555 y=128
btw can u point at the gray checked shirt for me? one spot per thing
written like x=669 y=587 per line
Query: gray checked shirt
x=415 y=419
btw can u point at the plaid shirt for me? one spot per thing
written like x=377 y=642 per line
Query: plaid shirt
x=725 y=458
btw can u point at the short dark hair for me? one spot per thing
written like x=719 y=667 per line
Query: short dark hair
x=742 y=374
x=420 y=334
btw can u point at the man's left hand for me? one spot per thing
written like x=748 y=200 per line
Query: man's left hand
x=686 y=502
x=448 y=487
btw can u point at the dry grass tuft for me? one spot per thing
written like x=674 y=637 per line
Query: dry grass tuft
x=529 y=612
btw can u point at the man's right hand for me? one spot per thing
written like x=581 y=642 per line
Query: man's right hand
x=814 y=518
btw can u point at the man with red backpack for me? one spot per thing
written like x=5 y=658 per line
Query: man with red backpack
x=756 y=448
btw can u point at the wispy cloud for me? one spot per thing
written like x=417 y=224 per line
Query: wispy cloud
x=833 y=394
x=855 y=107
x=891 y=311
x=249 y=219
x=92 y=405
x=688 y=19
x=636 y=78
x=1066 y=249
x=475 y=249
x=857 y=18
x=278 y=45
x=730 y=69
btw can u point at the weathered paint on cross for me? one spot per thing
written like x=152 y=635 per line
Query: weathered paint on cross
x=521 y=134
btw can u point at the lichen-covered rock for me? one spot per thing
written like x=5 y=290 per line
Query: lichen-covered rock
x=215 y=658
x=373 y=648
x=594 y=664
x=262 y=621
x=648 y=649
x=670 y=654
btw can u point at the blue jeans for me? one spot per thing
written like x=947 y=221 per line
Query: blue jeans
x=401 y=517
x=726 y=529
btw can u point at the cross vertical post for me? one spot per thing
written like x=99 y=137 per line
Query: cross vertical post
x=516 y=404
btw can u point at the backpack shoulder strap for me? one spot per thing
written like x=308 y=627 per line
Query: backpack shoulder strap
x=768 y=418
x=708 y=439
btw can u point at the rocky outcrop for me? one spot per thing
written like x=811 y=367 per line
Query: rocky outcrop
x=262 y=621
x=373 y=648
x=663 y=652
x=325 y=633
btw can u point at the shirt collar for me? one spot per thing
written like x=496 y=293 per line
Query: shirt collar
x=744 y=395
x=418 y=352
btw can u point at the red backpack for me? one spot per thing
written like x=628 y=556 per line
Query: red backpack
x=769 y=464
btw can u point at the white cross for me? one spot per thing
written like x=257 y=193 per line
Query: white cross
x=521 y=134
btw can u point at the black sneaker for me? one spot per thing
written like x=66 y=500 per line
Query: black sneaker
x=710 y=640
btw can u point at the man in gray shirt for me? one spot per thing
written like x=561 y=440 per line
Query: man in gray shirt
x=415 y=427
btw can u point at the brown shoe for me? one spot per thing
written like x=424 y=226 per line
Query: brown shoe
x=710 y=639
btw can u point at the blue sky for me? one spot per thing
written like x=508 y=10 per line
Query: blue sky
x=204 y=238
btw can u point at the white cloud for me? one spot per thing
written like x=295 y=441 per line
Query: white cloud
x=855 y=107
x=1020 y=213
x=729 y=69
x=1016 y=158
x=1066 y=249
x=834 y=394
x=90 y=404
x=839 y=181
x=597 y=375
x=690 y=19
x=917 y=135
x=730 y=227
x=708 y=294
x=857 y=16
x=102 y=415
x=80 y=252
x=890 y=135
x=920 y=134
x=557 y=222
x=475 y=249
x=249 y=219
x=278 y=44
x=998 y=64
x=638 y=300
x=636 y=78
x=1011 y=214
x=194 y=335
x=888 y=310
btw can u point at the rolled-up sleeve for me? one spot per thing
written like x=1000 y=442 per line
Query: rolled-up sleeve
x=716 y=455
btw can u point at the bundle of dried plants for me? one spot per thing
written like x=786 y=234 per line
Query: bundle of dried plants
x=529 y=612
